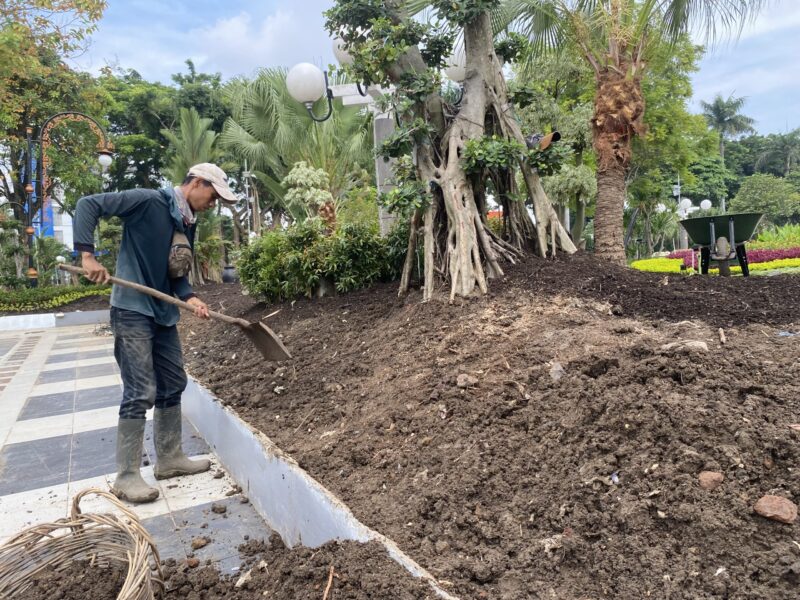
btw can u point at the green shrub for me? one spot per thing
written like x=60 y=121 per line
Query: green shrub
x=46 y=298
x=778 y=238
x=284 y=264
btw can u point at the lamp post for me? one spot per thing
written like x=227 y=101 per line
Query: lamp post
x=307 y=84
x=41 y=188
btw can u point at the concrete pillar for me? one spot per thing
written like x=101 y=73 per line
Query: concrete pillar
x=383 y=126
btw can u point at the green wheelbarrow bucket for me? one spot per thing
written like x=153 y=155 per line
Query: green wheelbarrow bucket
x=707 y=232
x=704 y=231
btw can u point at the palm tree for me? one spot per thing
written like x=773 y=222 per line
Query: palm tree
x=784 y=148
x=193 y=143
x=724 y=117
x=616 y=38
x=274 y=133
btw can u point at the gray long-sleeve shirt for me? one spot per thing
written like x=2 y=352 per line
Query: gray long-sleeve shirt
x=149 y=219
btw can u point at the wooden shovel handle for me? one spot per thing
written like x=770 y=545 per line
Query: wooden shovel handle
x=160 y=295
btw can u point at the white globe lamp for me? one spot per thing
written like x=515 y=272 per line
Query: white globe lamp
x=306 y=83
x=105 y=160
x=686 y=204
x=456 y=69
x=342 y=55
x=705 y=204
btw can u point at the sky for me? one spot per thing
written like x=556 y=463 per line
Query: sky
x=238 y=37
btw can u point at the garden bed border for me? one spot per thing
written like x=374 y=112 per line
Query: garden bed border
x=293 y=504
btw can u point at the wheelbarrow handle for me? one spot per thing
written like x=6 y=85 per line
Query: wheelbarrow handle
x=160 y=295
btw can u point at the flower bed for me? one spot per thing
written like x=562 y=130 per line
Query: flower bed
x=673 y=265
x=753 y=256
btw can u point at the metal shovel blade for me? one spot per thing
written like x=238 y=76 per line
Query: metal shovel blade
x=269 y=344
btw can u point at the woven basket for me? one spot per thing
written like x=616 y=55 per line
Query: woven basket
x=102 y=540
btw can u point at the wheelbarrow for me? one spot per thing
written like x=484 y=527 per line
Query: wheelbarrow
x=722 y=239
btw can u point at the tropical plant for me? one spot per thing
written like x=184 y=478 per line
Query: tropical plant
x=46 y=250
x=307 y=195
x=777 y=238
x=725 y=117
x=193 y=143
x=110 y=240
x=273 y=132
x=12 y=250
x=784 y=148
x=617 y=38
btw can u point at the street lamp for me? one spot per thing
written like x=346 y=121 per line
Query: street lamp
x=307 y=83
x=456 y=69
x=346 y=59
x=706 y=204
x=105 y=159
x=105 y=150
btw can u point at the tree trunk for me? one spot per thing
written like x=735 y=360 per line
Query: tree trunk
x=579 y=224
x=618 y=112
x=457 y=242
x=608 y=219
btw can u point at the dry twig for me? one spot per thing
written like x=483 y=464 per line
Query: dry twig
x=330 y=583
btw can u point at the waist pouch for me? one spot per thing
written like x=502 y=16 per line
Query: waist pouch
x=180 y=256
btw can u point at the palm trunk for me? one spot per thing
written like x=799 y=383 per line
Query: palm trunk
x=608 y=220
x=618 y=112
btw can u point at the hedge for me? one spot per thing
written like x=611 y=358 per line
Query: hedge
x=45 y=298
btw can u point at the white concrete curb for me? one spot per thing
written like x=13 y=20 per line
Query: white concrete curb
x=49 y=321
x=292 y=503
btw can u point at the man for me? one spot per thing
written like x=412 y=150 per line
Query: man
x=146 y=343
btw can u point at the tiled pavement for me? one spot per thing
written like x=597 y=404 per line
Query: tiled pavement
x=59 y=395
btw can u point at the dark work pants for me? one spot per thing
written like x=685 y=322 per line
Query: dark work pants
x=150 y=362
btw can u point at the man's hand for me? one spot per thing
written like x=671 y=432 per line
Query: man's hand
x=93 y=270
x=200 y=307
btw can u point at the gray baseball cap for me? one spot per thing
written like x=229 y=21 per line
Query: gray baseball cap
x=215 y=176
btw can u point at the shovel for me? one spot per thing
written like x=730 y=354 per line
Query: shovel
x=262 y=336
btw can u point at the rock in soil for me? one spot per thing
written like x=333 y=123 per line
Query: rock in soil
x=200 y=542
x=711 y=480
x=522 y=457
x=466 y=381
x=777 y=508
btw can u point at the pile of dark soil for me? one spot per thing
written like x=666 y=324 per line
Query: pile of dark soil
x=77 y=582
x=359 y=571
x=544 y=441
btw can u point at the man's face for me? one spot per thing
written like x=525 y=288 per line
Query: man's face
x=201 y=195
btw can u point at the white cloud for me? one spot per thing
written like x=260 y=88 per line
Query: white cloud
x=242 y=44
x=761 y=66
x=237 y=38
